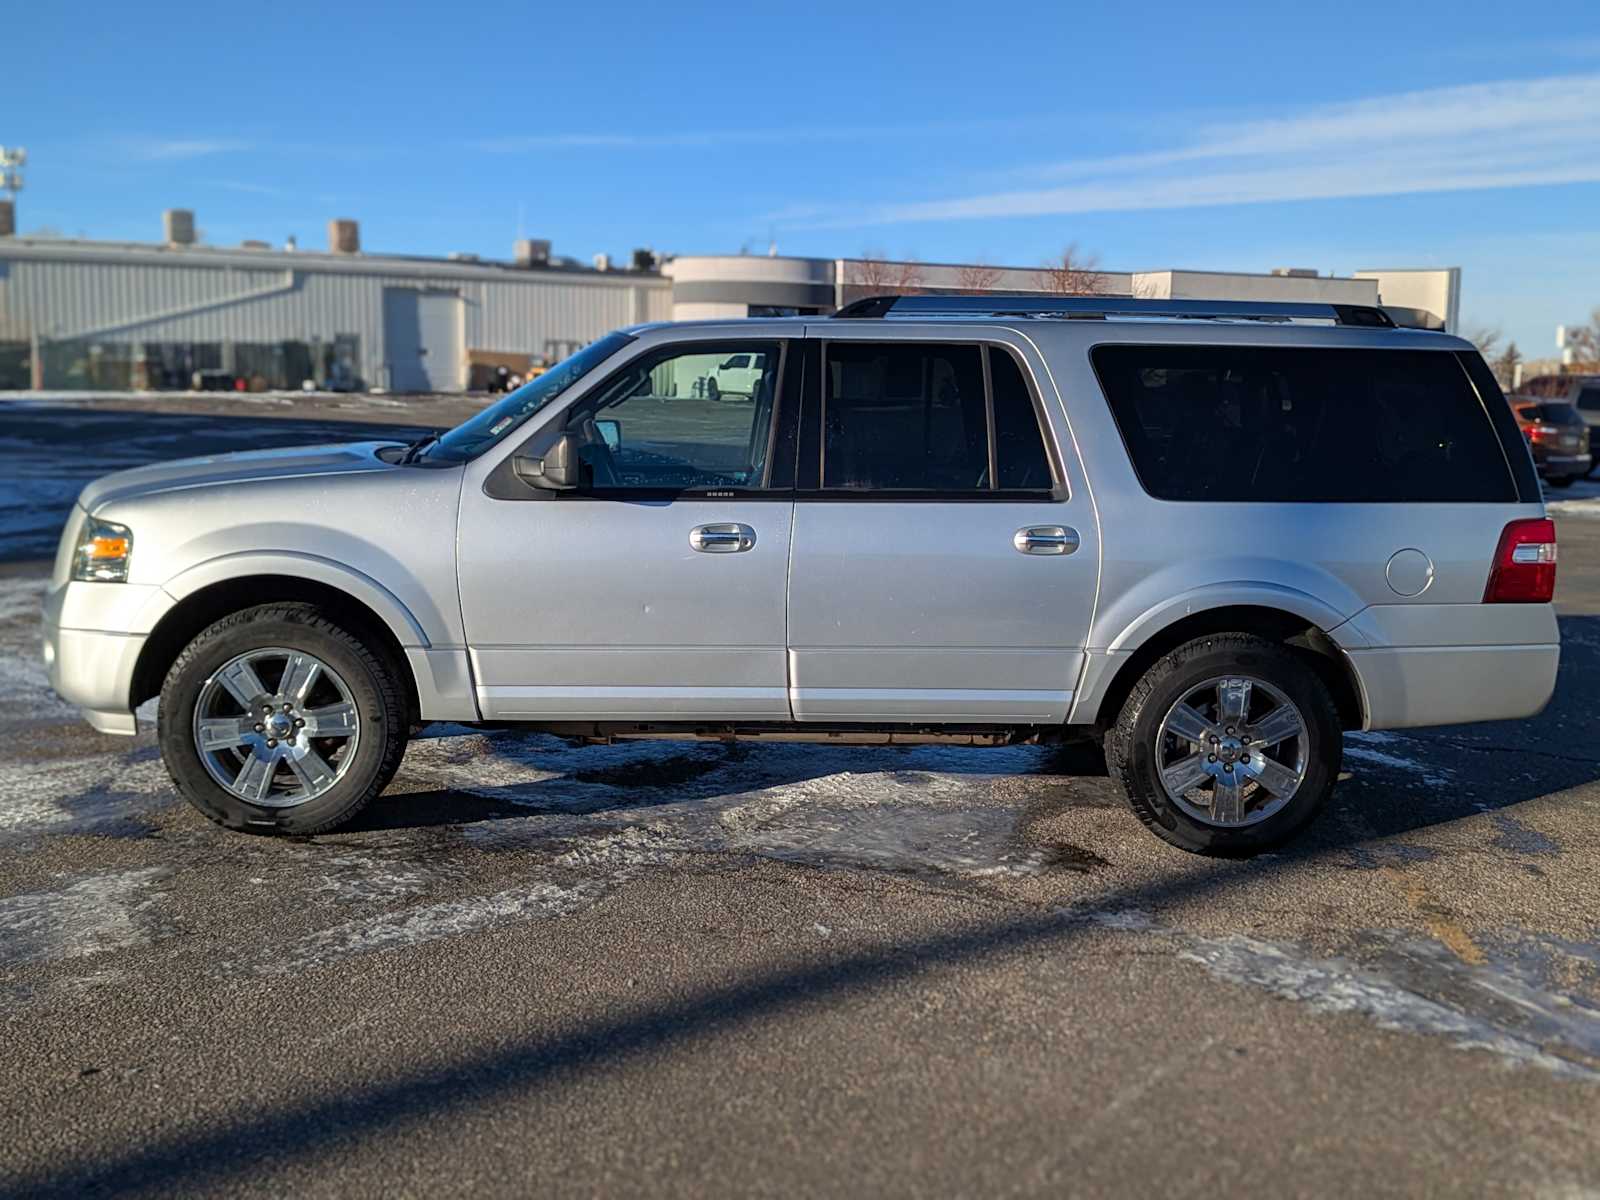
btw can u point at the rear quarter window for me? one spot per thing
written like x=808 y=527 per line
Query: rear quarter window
x=1270 y=424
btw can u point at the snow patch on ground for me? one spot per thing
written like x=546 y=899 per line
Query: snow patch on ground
x=427 y=923
x=1492 y=1008
x=94 y=913
x=351 y=879
x=1363 y=747
x=1581 y=499
x=1573 y=508
x=919 y=809
x=102 y=794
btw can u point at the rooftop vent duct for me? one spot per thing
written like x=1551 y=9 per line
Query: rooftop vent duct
x=1295 y=272
x=178 y=225
x=344 y=236
x=8 y=218
x=532 y=252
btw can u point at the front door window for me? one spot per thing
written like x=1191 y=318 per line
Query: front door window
x=688 y=420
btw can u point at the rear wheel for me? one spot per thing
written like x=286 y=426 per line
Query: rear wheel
x=1228 y=745
x=279 y=720
x=1563 y=481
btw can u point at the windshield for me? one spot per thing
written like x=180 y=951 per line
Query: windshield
x=472 y=437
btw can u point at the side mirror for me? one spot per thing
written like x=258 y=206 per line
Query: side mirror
x=557 y=471
x=610 y=432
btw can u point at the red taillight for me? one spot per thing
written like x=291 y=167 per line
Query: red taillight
x=1538 y=433
x=1524 y=570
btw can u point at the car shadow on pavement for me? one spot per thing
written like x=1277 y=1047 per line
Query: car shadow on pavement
x=301 y=1132
x=1396 y=782
x=307 y=1129
x=1374 y=808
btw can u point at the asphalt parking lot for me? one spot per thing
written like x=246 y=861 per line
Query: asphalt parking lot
x=540 y=967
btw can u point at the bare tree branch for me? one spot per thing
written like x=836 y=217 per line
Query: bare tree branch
x=1505 y=367
x=878 y=276
x=1585 y=339
x=908 y=278
x=1073 y=274
x=977 y=277
x=1486 y=338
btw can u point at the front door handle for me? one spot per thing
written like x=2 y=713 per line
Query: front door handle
x=726 y=538
x=1046 y=539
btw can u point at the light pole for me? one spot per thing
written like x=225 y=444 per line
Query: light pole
x=12 y=160
x=11 y=163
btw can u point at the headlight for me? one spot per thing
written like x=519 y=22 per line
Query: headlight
x=103 y=552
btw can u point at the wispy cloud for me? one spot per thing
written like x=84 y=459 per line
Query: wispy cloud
x=179 y=149
x=1491 y=135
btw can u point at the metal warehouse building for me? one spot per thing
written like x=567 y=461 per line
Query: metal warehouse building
x=107 y=315
x=110 y=315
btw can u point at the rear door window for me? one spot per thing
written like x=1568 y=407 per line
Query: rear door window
x=930 y=418
x=1589 y=399
x=1267 y=424
x=1020 y=458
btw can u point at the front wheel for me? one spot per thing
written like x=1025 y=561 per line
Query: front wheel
x=278 y=720
x=1230 y=744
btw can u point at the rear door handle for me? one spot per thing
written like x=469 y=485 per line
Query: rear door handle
x=726 y=538
x=1046 y=539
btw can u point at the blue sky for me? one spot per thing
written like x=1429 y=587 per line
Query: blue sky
x=1236 y=137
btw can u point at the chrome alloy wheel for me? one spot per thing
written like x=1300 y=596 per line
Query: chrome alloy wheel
x=276 y=727
x=1232 y=751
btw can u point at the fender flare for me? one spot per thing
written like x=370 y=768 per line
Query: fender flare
x=1242 y=593
x=406 y=629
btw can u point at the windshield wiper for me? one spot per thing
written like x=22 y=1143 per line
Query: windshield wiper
x=415 y=449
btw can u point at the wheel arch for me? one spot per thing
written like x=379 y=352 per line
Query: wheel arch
x=209 y=601
x=1294 y=630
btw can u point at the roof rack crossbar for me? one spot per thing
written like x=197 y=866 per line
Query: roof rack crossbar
x=1101 y=307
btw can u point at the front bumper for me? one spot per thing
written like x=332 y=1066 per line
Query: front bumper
x=93 y=634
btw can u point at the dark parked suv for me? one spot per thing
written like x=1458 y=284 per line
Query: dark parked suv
x=1558 y=436
x=1580 y=391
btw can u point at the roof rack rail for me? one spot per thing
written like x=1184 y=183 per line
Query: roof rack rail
x=1103 y=307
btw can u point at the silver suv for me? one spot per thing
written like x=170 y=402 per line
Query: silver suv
x=1211 y=535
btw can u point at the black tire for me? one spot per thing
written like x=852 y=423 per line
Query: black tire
x=1131 y=751
x=374 y=687
x=1563 y=481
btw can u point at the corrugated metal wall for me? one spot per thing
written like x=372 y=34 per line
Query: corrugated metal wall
x=101 y=300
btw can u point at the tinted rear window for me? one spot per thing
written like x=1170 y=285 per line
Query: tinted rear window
x=1241 y=423
x=1550 y=414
